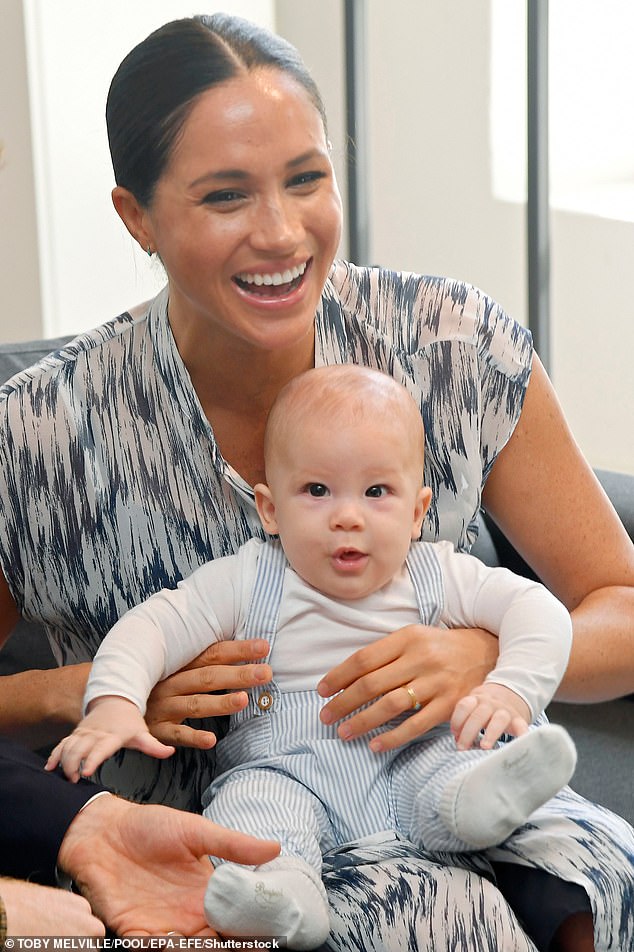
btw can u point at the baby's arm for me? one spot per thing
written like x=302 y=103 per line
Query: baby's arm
x=110 y=724
x=535 y=633
x=150 y=642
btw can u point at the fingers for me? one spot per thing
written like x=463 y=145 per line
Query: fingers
x=201 y=681
x=182 y=735
x=82 y=752
x=362 y=666
x=411 y=728
x=240 y=847
x=479 y=721
x=375 y=684
x=231 y=653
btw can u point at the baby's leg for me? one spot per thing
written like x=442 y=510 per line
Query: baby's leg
x=286 y=896
x=478 y=798
x=485 y=803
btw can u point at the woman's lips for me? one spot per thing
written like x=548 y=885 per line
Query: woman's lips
x=272 y=286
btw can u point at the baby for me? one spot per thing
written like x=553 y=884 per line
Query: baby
x=343 y=505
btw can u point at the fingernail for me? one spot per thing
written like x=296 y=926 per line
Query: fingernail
x=326 y=717
x=322 y=689
x=375 y=745
x=262 y=674
x=345 y=732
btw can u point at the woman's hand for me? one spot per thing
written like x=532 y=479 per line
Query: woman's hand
x=439 y=666
x=223 y=666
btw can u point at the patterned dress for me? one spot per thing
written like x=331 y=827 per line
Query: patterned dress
x=112 y=487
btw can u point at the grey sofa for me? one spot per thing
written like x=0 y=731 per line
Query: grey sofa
x=604 y=733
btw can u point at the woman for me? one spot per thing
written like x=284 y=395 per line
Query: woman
x=129 y=459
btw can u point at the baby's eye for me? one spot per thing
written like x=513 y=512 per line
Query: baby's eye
x=375 y=492
x=317 y=489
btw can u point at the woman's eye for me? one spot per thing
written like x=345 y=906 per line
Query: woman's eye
x=375 y=492
x=306 y=178
x=317 y=489
x=224 y=197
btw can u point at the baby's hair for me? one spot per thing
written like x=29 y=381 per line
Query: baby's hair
x=343 y=394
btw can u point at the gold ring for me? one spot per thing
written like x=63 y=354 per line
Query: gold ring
x=416 y=705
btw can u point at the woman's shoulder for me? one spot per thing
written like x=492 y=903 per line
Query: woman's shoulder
x=418 y=309
x=82 y=353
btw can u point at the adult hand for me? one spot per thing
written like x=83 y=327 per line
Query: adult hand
x=439 y=666
x=144 y=869
x=223 y=666
x=492 y=708
x=41 y=910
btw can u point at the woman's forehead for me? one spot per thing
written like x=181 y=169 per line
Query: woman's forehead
x=253 y=109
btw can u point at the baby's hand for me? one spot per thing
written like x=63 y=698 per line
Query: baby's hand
x=110 y=724
x=493 y=708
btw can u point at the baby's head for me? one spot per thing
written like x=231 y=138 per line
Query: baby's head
x=343 y=454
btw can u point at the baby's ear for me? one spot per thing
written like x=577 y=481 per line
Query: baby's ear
x=266 y=508
x=423 y=501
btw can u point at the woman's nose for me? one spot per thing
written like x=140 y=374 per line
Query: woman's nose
x=277 y=227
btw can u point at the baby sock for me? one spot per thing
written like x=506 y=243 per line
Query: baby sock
x=485 y=803
x=285 y=897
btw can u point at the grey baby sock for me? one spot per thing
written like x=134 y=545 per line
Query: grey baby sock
x=285 y=897
x=486 y=802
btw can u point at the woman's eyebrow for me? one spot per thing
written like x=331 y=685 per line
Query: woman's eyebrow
x=240 y=175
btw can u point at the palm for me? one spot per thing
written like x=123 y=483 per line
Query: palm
x=144 y=869
x=145 y=885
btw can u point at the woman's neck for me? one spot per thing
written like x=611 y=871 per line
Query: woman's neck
x=236 y=386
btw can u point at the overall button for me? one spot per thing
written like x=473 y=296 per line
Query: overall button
x=265 y=701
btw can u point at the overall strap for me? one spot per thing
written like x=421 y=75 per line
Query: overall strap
x=262 y=618
x=426 y=574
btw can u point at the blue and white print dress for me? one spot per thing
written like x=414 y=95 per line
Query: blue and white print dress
x=112 y=487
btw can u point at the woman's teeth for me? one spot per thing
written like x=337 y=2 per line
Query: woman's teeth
x=276 y=279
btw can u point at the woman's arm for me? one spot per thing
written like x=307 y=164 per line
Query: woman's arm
x=545 y=498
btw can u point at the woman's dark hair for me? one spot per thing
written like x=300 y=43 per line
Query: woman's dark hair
x=156 y=85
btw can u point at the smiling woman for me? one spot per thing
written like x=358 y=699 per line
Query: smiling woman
x=129 y=459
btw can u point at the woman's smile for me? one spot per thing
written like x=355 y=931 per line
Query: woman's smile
x=274 y=288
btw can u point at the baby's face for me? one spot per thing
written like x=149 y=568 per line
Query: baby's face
x=346 y=504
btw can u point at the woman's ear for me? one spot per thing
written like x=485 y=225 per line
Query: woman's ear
x=266 y=508
x=134 y=217
x=422 y=504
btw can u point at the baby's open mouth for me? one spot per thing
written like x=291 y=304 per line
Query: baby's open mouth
x=278 y=283
x=349 y=556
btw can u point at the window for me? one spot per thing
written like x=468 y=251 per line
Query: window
x=591 y=104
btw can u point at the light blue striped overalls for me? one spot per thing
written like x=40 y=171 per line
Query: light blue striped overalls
x=290 y=777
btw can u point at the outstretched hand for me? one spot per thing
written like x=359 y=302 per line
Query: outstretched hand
x=110 y=724
x=144 y=869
